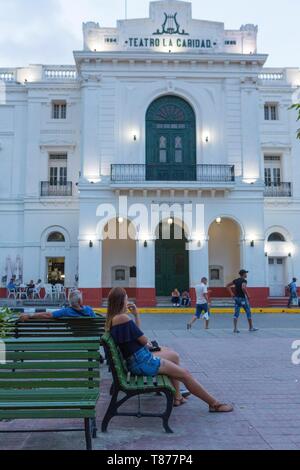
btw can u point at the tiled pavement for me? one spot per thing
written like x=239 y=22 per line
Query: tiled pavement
x=253 y=371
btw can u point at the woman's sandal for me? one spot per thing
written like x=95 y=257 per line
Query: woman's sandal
x=220 y=408
x=179 y=402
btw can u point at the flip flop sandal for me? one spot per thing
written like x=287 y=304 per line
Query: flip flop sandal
x=217 y=408
x=179 y=402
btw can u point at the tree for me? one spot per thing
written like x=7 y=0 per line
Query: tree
x=297 y=107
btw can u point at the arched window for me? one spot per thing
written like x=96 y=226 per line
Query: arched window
x=276 y=237
x=56 y=237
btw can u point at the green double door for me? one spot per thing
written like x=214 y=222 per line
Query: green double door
x=171 y=266
x=170 y=140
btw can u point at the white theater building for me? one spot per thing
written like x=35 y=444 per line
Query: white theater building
x=163 y=110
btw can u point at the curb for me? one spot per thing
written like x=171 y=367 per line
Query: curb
x=216 y=311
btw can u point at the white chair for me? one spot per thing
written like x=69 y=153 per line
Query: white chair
x=22 y=292
x=11 y=293
x=60 y=292
x=48 y=292
x=36 y=293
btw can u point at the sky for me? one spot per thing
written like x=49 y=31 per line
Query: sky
x=48 y=31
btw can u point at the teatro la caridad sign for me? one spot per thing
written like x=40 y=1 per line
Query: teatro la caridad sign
x=169 y=36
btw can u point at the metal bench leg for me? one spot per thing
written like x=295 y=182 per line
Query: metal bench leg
x=167 y=413
x=88 y=433
x=94 y=428
x=111 y=411
x=112 y=389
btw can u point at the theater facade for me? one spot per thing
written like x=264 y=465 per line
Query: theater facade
x=165 y=111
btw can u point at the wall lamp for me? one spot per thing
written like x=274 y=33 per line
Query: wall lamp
x=207 y=139
x=135 y=138
x=252 y=244
x=266 y=254
x=145 y=244
x=290 y=255
x=91 y=244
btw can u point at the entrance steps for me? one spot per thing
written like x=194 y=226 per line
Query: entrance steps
x=278 y=301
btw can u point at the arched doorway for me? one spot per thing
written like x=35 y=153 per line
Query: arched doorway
x=170 y=140
x=224 y=252
x=171 y=259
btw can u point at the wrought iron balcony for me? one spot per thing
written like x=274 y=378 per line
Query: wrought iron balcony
x=132 y=173
x=56 y=190
x=278 y=190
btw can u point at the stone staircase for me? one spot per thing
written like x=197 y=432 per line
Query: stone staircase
x=278 y=301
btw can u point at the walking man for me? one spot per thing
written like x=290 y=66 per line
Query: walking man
x=202 y=304
x=241 y=300
x=293 y=292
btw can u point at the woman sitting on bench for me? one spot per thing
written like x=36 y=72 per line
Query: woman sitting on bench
x=140 y=361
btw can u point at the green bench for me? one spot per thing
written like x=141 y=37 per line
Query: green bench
x=47 y=378
x=124 y=381
x=64 y=327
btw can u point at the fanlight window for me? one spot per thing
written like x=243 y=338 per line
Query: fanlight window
x=56 y=237
x=276 y=237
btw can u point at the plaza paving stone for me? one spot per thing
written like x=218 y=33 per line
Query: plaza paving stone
x=252 y=371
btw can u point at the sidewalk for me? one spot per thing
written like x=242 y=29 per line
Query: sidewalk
x=253 y=371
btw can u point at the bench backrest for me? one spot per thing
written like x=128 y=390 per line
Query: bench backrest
x=65 y=327
x=39 y=363
x=115 y=359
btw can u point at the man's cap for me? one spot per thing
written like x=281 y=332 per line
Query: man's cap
x=242 y=272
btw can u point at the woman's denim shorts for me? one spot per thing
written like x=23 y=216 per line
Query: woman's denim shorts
x=143 y=363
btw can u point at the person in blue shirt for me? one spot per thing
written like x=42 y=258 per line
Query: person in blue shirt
x=75 y=310
x=293 y=291
x=11 y=286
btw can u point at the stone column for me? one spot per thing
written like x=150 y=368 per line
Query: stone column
x=90 y=137
x=90 y=271
x=145 y=286
x=199 y=264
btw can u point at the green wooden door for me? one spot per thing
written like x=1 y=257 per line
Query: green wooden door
x=171 y=265
x=170 y=140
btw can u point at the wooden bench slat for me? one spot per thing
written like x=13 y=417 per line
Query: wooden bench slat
x=44 y=394
x=41 y=356
x=49 y=384
x=55 y=365
x=23 y=375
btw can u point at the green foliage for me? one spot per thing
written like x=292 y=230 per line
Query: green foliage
x=6 y=325
x=297 y=108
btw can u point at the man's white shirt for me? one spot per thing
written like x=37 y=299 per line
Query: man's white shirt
x=201 y=289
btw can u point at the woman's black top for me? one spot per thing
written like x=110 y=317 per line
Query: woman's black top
x=126 y=336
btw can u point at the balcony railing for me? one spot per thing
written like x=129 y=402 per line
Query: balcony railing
x=171 y=172
x=56 y=190
x=278 y=190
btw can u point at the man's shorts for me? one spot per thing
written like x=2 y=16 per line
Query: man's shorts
x=202 y=308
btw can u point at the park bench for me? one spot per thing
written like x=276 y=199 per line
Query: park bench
x=131 y=386
x=47 y=378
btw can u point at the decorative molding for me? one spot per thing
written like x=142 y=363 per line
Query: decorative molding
x=53 y=144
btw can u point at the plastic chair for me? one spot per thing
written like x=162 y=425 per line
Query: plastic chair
x=48 y=291
x=11 y=293
x=60 y=292
x=22 y=292
x=36 y=293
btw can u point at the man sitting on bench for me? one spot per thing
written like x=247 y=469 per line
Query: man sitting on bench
x=76 y=309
